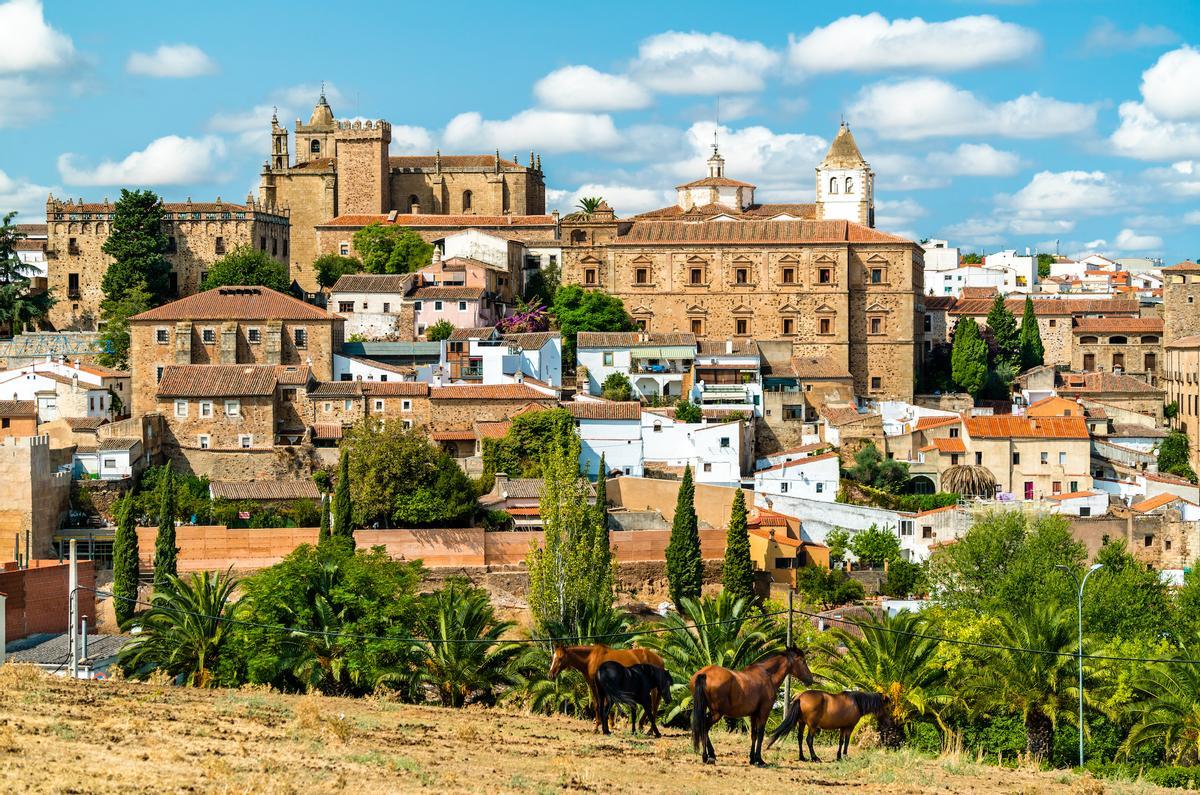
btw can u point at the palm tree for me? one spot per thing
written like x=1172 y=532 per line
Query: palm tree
x=588 y=204
x=1040 y=684
x=1166 y=707
x=718 y=630
x=186 y=628
x=969 y=481
x=890 y=658
x=463 y=656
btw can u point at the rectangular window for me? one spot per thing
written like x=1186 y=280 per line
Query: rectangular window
x=202 y=441
x=926 y=531
x=161 y=336
x=274 y=246
x=205 y=408
x=820 y=488
x=347 y=405
x=345 y=307
x=300 y=336
x=707 y=467
x=406 y=405
x=876 y=325
x=788 y=327
x=825 y=326
x=219 y=248
x=876 y=275
x=724 y=442
x=262 y=242
x=157 y=374
x=417 y=306
x=386 y=307
x=825 y=276
x=1085 y=511
x=1062 y=458
x=245 y=441
x=72 y=284
x=783 y=487
x=1149 y=540
x=171 y=245
x=954 y=459
x=1074 y=485
x=437 y=306
x=110 y=463
x=789 y=275
x=608 y=358
x=978 y=459
x=742 y=276
x=379 y=405
x=233 y=408
x=742 y=326
x=209 y=336
x=876 y=382
x=344 y=249
x=1016 y=459
x=954 y=433
x=641 y=276
x=254 y=335
x=1045 y=457
x=929 y=322
x=906 y=527
x=462 y=306
x=181 y=408
x=697 y=326
x=589 y=276
x=365 y=306
x=696 y=276
x=1056 y=487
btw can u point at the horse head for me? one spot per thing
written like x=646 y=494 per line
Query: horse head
x=556 y=662
x=798 y=665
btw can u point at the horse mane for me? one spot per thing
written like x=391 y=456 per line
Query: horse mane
x=867 y=703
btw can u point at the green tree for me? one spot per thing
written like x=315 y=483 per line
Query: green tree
x=568 y=573
x=737 y=575
x=971 y=258
x=12 y=269
x=687 y=411
x=875 y=546
x=165 y=551
x=191 y=497
x=904 y=579
x=1003 y=325
x=1033 y=353
x=576 y=309
x=138 y=247
x=520 y=451
x=464 y=657
x=891 y=658
x=828 y=588
x=604 y=576
x=1174 y=456
x=331 y=267
x=114 y=337
x=969 y=357
x=685 y=567
x=20 y=304
x=1129 y=600
x=391 y=249
x=1163 y=707
x=439 y=331
x=872 y=469
x=1044 y=261
x=248 y=266
x=542 y=285
x=126 y=570
x=343 y=508
x=588 y=204
x=323 y=533
x=616 y=387
x=398 y=479
x=1187 y=601
x=187 y=629
x=838 y=541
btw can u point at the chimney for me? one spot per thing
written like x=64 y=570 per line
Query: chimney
x=729 y=344
x=501 y=486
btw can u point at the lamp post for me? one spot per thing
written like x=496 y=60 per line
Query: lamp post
x=1079 y=650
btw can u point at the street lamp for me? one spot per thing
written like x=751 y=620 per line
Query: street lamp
x=1079 y=651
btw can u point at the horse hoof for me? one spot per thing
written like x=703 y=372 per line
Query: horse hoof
x=710 y=761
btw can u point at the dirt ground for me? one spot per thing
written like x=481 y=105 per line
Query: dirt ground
x=101 y=737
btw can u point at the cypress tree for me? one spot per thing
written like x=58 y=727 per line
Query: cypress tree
x=603 y=575
x=323 y=535
x=1003 y=326
x=968 y=357
x=125 y=562
x=1033 y=353
x=738 y=573
x=343 y=521
x=685 y=568
x=165 y=552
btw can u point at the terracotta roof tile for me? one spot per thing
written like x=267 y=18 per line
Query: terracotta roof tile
x=838 y=415
x=531 y=340
x=217 y=380
x=474 y=333
x=1085 y=383
x=1187 y=266
x=492 y=429
x=236 y=303
x=979 y=292
x=265 y=490
x=463 y=435
x=718 y=348
x=85 y=423
x=936 y=302
x=715 y=182
x=668 y=232
x=1010 y=426
x=440 y=221
x=332 y=389
x=488 y=392
x=1042 y=307
x=448 y=293
x=812 y=459
x=804 y=448
x=1145 y=506
x=631 y=339
x=327 y=430
x=925 y=423
x=18 y=408
x=1143 y=325
x=293 y=374
x=1073 y=495
x=373 y=283
x=814 y=367
x=1192 y=341
x=395 y=388
x=604 y=410
x=948 y=445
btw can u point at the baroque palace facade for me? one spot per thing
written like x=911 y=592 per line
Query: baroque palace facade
x=343 y=168
x=719 y=265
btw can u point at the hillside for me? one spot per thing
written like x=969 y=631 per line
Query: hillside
x=57 y=735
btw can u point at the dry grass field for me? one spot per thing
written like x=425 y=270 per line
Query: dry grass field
x=100 y=737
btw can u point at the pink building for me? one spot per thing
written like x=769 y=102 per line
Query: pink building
x=463 y=307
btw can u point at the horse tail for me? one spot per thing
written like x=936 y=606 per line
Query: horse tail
x=699 y=710
x=790 y=719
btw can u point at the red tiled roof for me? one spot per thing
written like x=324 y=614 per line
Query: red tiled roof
x=818 y=367
x=1187 y=266
x=327 y=430
x=488 y=392
x=715 y=182
x=448 y=293
x=812 y=459
x=1191 y=341
x=631 y=339
x=466 y=435
x=1015 y=427
x=18 y=408
x=804 y=448
x=707 y=211
x=473 y=333
x=1145 y=506
x=292 y=375
x=939 y=301
x=463 y=221
x=217 y=380
x=265 y=489
x=1151 y=325
x=979 y=292
x=395 y=388
x=979 y=307
x=1072 y=495
x=604 y=410
x=1081 y=383
x=372 y=283
x=492 y=429
x=779 y=538
x=841 y=415
x=759 y=232
x=925 y=423
x=531 y=340
x=947 y=445
x=237 y=303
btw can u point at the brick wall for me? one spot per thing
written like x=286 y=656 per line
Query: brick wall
x=38 y=597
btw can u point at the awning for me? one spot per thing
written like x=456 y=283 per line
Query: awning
x=664 y=352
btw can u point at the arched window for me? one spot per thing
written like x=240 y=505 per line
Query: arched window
x=1149 y=339
x=314 y=146
x=833 y=184
x=466 y=200
x=1088 y=340
x=414 y=203
x=1118 y=340
x=849 y=185
x=578 y=236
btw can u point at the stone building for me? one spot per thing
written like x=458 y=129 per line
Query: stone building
x=1130 y=345
x=35 y=496
x=344 y=168
x=718 y=264
x=1181 y=380
x=1181 y=301
x=198 y=234
x=230 y=325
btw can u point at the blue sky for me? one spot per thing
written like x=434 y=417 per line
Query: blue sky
x=991 y=124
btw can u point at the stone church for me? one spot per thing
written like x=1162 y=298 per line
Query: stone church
x=344 y=168
x=721 y=265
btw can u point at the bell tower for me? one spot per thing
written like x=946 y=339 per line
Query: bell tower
x=845 y=183
x=279 y=143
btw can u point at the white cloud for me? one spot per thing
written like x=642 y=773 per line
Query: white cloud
x=251 y=128
x=27 y=42
x=928 y=107
x=1105 y=36
x=1171 y=88
x=1128 y=240
x=626 y=200
x=873 y=43
x=976 y=232
x=304 y=96
x=893 y=214
x=21 y=102
x=781 y=164
x=1146 y=137
x=170 y=160
x=1067 y=191
x=702 y=63
x=1181 y=179
x=1192 y=218
x=584 y=88
x=905 y=172
x=976 y=160
x=409 y=140
x=27 y=198
x=543 y=130
x=171 y=60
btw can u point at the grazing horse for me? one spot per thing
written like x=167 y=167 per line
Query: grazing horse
x=816 y=709
x=721 y=693
x=638 y=686
x=588 y=659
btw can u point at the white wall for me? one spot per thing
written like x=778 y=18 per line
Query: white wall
x=372 y=322
x=620 y=441
x=362 y=371
x=479 y=245
x=815 y=480
x=1097 y=505
x=677 y=444
x=593 y=360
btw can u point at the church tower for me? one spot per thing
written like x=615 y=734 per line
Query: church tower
x=279 y=144
x=314 y=141
x=845 y=183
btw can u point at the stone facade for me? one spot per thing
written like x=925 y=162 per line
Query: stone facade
x=1128 y=345
x=343 y=167
x=35 y=496
x=1181 y=301
x=198 y=235
x=1181 y=380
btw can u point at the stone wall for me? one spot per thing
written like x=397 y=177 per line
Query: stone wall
x=1133 y=357
x=276 y=463
x=255 y=417
x=34 y=497
x=451 y=414
x=1181 y=306
x=310 y=194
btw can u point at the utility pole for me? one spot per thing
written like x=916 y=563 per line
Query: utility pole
x=787 y=680
x=73 y=612
x=1079 y=650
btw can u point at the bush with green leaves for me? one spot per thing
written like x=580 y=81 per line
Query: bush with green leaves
x=1174 y=456
x=391 y=249
x=616 y=386
x=246 y=265
x=439 y=331
x=687 y=411
x=576 y=309
x=875 y=546
x=828 y=588
x=871 y=469
x=519 y=452
x=904 y=579
x=331 y=267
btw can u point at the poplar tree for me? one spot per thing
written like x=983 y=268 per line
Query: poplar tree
x=1033 y=353
x=685 y=567
x=323 y=534
x=602 y=565
x=343 y=514
x=738 y=572
x=165 y=552
x=126 y=569
x=968 y=357
x=1003 y=325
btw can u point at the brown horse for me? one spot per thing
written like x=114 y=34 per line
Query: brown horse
x=721 y=693
x=588 y=659
x=818 y=710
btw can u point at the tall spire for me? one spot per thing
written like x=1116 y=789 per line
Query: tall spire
x=843 y=152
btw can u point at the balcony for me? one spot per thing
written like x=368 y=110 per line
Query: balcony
x=471 y=371
x=661 y=368
x=724 y=394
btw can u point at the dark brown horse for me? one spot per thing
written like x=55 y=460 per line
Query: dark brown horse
x=818 y=710
x=721 y=693
x=588 y=659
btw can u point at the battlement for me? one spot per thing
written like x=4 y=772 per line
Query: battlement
x=358 y=124
x=79 y=210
